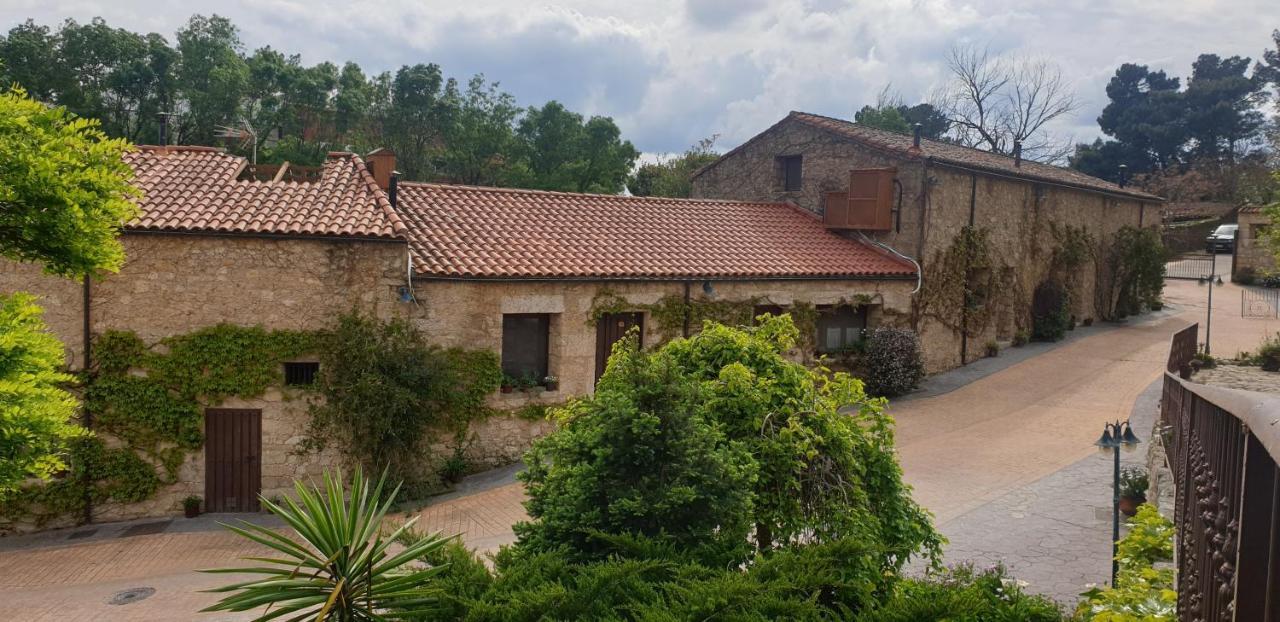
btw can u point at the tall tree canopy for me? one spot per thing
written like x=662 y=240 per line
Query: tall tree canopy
x=266 y=103
x=673 y=176
x=1157 y=126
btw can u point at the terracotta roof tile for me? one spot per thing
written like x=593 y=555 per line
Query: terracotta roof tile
x=196 y=189
x=476 y=232
x=949 y=153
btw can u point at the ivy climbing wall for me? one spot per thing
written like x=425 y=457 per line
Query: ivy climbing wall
x=935 y=205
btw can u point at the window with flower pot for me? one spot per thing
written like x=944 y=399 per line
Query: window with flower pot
x=525 y=352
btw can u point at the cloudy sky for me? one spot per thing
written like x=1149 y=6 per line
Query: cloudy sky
x=674 y=71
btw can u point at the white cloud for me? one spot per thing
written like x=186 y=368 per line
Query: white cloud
x=674 y=71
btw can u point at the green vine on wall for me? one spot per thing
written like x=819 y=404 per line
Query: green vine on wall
x=151 y=400
x=964 y=285
x=669 y=313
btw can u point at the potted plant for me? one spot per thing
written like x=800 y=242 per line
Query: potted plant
x=528 y=382
x=191 y=506
x=1133 y=489
x=993 y=348
x=508 y=383
x=551 y=383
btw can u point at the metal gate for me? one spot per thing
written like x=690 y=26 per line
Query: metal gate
x=1264 y=303
x=232 y=459
x=1190 y=266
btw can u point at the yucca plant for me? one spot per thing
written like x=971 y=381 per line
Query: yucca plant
x=338 y=566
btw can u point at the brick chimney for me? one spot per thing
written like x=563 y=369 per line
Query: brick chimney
x=381 y=162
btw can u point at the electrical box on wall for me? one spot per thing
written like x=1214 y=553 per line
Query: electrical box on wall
x=867 y=205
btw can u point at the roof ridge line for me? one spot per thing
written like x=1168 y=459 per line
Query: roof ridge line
x=512 y=190
x=379 y=195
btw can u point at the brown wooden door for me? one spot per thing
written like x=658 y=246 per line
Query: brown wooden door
x=612 y=327
x=232 y=459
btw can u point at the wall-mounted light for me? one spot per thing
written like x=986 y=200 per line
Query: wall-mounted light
x=708 y=289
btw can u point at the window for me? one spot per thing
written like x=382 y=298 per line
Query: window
x=840 y=328
x=524 y=345
x=790 y=172
x=760 y=310
x=300 y=374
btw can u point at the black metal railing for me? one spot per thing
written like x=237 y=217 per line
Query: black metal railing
x=1222 y=446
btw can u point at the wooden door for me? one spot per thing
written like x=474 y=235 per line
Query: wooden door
x=232 y=459
x=611 y=328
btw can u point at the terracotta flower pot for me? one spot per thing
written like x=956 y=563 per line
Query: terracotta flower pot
x=1129 y=505
x=506 y=389
x=553 y=386
x=191 y=511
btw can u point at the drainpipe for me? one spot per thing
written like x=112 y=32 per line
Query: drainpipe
x=687 y=314
x=87 y=417
x=964 y=310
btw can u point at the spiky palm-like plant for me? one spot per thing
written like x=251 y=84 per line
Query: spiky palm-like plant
x=338 y=567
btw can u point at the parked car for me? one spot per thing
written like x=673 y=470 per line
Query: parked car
x=1222 y=240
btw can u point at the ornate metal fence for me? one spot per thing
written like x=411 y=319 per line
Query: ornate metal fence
x=1222 y=447
x=1259 y=302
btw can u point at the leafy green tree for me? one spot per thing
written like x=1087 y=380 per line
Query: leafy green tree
x=887 y=118
x=66 y=189
x=35 y=410
x=29 y=58
x=413 y=118
x=672 y=177
x=212 y=77
x=1221 y=103
x=561 y=151
x=479 y=134
x=637 y=458
x=815 y=453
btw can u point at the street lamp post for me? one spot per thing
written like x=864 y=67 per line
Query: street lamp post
x=1210 y=278
x=1114 y=436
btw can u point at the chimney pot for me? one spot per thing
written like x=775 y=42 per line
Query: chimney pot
x=1124 y=174
x=1017 y=153
x=392 y=184
x=381 y=163
x=917 y=130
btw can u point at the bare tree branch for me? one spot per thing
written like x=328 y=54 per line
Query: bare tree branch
x=994 y=102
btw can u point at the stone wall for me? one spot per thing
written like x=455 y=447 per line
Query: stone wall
x=469 y=314
x=934 y=205
x=1252 y=252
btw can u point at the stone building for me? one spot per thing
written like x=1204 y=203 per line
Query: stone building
x=216 y=244
x=1252 y=253
x=548 y=280
x=918 y=197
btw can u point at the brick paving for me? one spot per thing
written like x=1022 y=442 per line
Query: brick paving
x=1004 y=460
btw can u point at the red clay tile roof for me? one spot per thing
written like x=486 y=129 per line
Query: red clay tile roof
x=949 y=153
x=195 y=189
x=475 y=232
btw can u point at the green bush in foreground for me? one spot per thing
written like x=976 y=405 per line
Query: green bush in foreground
x=963 y=594
x=1142 y=593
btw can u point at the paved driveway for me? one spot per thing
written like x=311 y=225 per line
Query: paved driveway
x=1001 y=452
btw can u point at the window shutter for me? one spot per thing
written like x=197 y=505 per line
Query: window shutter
x=868 y=204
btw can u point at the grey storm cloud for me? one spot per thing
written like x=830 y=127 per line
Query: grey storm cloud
x=674 y=71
